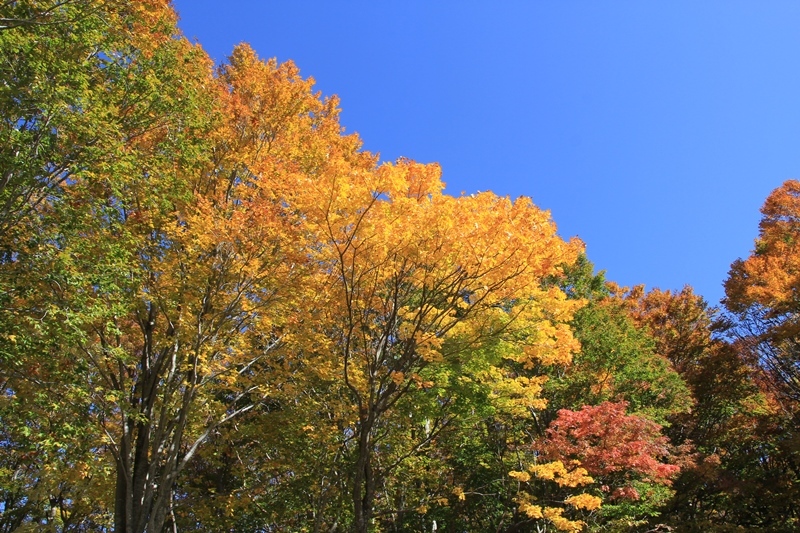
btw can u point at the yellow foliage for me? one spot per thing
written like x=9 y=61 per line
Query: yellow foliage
x=564 y=477
x=518 y=395
x=532 y=511
x=555 y=516
x=522 y=477
x=557 y=472
x=584 y=501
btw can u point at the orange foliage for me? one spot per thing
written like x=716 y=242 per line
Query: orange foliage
x=763 y=291
x=770 y=277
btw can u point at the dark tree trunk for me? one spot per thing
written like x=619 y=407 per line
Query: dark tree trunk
x=364 y=481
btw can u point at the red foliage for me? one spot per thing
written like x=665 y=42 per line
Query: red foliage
x=610 y=444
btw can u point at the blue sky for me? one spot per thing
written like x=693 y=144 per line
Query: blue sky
x=652 y=130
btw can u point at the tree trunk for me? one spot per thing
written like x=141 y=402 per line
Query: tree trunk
x=364 y=482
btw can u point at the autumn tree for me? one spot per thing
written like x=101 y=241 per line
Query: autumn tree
x=761 y=299
x=406 y=339
x=735 y=424
x=625 y=455
x=761 y=291
x=418 y=279
x=80 y=92
x=154 y=278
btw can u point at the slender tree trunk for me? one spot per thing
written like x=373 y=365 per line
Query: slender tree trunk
x=120 y=501
x=364 y=482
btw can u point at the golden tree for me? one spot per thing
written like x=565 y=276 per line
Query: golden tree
x=412 y=279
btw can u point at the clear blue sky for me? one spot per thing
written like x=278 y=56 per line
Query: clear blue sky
x=652 y=130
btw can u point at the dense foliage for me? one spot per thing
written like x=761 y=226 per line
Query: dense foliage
x=219 y=313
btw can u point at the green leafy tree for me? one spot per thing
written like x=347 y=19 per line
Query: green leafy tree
x=618 y=360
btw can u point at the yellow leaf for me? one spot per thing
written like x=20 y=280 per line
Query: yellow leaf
x=584 y=501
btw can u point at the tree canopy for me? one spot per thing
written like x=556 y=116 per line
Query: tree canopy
x=219 y=313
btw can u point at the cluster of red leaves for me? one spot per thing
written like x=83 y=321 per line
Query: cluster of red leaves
x=610 y=445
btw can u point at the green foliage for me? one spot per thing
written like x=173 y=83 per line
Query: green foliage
x=618 y=361
x=579 y=280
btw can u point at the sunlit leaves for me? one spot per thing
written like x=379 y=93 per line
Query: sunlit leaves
x=563 y=477
x=615 y=457
x=611 y=444
x=762 y=291
x=219 y=313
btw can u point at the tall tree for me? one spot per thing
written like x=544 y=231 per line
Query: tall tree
x=742 y=439
x=153 y=256
x=87 y=86
x=619 y=360
x=418 y=279
x=762 y=291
